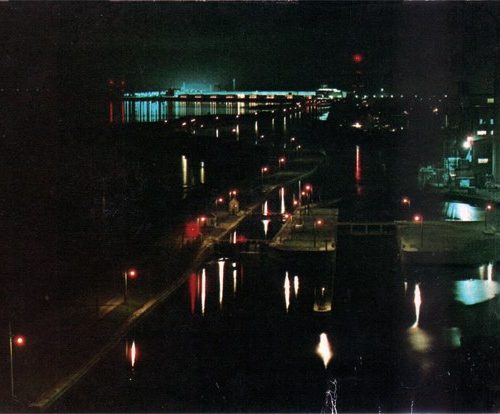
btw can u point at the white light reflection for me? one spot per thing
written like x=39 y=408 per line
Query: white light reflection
x=486 y=271
x=266 y=222
x=133 y=354
x=462 y=211
x=202 y=172
x=286 y=286
x=203 y=290
x=473 y=291
x=418 y=302
x=419 y=340
x=216 y=132
x=282 y=193
x=256 y=129
x=296 y=285
x=235 y=280
x=265 y=212
x=184 y=163
x=232 y=237
x=324 y=350
x=237 y=132
x=221 y=263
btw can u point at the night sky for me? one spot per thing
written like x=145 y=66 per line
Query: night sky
x=409 y=47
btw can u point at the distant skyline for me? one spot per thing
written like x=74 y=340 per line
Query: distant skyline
x=409 y=47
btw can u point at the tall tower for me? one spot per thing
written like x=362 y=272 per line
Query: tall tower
x=358 y=84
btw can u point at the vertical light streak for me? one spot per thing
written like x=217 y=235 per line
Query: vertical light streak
x=202 y=172
x=418 y=302
x=221 y=281
x=282 y=192
x=296 y=285
x=357 y=174
x=264 y=209
x=184 y=163
x=265 y=222
x=203 y=290
x=324 y=350
x=133 y=354
x=286 y=287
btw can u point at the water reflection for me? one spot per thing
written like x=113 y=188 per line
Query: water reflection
x=453 y=210
x=324 y=349
x=235 y=279
x=417 y=301
x=357 y=171
x=419 y=340
x=155 y=111
x=322 y=299
x=473 y=291
x=203 y=290
x=265 y=223
x=184 y=167
x=282 y=195
x=221 y=264
x=202 y=172
x=286 y=287
x=265 y=211
x=486 y=271
x=296 y=285
x=133 y=354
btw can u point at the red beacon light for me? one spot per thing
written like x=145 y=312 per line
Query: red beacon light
x=357 y=58
x=132 y=274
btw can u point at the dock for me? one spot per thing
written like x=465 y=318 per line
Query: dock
x=309 y=229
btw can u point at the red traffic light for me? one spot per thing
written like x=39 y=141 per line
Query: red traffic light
x=132 y=274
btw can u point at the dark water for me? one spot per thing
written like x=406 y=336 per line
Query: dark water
x=242 y=334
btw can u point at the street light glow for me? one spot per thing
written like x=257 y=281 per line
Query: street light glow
x=417 y=218
x=19 y=340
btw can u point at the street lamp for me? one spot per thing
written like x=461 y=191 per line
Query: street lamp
x=132 y=274
x=406 y=201
x=281 y=162
x=19 y=341
x=317 y=223
x=488 y=209
x=262 y=171
x=218 y=201
x=420 y=219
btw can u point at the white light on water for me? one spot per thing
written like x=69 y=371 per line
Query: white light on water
x=265 y=222
x=286 y=286
x=203 y=290
x=221 y=281
x=235 y=280
x=184 y=163
x=324 y=350
x=418 y=302
x=296 y=285
x=282 y=192
x=473 y=291
x=202 y=172
x=133 y=354
x=265 y=212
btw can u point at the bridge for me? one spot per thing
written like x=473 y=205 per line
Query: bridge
x=367 y=228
